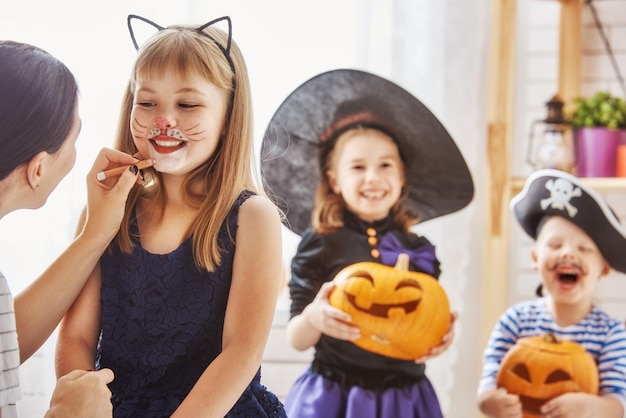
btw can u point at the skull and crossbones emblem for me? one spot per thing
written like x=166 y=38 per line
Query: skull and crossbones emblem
x=561 y=191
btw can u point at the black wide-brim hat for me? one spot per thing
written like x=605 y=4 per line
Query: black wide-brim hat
x=554 y=192
x=316 y=112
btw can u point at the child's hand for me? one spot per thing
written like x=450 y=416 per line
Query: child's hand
x=329 y=320
x=570 y=405
x=446 y=341
x=501 y=404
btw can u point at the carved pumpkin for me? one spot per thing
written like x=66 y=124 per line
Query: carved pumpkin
x=401 y=314
x=541 y=368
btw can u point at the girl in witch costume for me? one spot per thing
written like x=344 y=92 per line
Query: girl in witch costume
x=578 y=239
x=372 y=161
x=181 y=305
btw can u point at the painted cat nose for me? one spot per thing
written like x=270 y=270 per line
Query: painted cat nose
x=161 y=122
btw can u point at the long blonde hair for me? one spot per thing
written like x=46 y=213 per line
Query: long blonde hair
x=232 y=167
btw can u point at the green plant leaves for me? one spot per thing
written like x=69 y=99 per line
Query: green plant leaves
x=602 y=109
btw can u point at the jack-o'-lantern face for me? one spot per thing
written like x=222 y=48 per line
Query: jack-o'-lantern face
x=538 y=369
x=401 y=314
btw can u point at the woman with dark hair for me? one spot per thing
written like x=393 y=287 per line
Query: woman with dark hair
x=39 y=125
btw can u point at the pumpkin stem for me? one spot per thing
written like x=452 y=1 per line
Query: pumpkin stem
x=402 y=263
x=550 y=338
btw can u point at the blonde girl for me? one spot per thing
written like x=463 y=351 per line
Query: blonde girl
x=181 y=306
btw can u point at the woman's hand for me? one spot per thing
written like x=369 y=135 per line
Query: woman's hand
x=106 y=199
x=82 y=394
x=329 y=320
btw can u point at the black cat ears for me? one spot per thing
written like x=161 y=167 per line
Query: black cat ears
x=200 y=29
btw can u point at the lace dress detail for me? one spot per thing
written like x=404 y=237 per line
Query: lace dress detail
x=162 y=322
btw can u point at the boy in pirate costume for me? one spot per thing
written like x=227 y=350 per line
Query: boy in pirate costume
x=578 y=239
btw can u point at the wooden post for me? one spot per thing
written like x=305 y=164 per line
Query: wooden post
x=570 y=51
x=499 y=182
x=495 y=277
x=495 y=270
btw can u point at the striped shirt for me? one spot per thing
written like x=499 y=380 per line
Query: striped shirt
x=601 y=335
x=10 y=391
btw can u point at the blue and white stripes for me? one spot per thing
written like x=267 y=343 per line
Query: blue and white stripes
x=601 y=335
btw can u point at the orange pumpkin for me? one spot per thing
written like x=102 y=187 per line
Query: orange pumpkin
x=401 y=314
x=541 y=368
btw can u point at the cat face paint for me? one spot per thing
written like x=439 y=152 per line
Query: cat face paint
x=177 y=122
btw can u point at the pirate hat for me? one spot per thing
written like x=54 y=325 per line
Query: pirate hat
x=555 y=192
x=320 y=109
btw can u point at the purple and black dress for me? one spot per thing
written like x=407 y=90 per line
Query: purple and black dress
x=162 y=322
x=345 y=381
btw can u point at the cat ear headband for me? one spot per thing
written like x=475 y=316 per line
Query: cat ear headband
x=200 y=29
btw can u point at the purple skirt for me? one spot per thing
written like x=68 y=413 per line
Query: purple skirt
x=314 y=396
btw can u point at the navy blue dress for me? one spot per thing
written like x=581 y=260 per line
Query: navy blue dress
x=162 y=322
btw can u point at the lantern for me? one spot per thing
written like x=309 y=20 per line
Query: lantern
x=401 y=314
x=541 y=368
x=553 y=147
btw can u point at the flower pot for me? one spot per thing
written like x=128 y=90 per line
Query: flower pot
x=596 y=151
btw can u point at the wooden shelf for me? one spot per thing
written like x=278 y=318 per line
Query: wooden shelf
x=598 y=183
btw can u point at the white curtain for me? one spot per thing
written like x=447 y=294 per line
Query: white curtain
x=440 y=55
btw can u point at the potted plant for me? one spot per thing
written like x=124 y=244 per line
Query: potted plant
x=599 y=124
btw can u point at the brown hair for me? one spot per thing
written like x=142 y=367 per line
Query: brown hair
x=39 y=95
x=328 y=207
